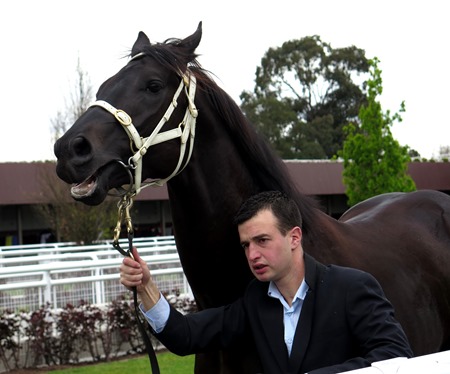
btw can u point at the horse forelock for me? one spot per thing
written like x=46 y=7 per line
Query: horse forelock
x=172 y=55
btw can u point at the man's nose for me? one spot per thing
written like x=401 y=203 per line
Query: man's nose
x=253 y=252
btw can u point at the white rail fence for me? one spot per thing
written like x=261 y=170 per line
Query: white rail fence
x=63 y=273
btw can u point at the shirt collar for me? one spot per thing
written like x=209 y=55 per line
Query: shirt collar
x=300 y=294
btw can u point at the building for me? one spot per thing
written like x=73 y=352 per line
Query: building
x=24 y=187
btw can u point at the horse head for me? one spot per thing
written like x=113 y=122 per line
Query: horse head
x=136 y=111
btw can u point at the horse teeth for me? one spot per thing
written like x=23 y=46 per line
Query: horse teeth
x=84 y=189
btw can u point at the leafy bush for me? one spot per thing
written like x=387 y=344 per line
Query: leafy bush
x=68 y=335
x=9 y=339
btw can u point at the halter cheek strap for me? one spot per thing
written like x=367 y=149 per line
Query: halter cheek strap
x=184 y=131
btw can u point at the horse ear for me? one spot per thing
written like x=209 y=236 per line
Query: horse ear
x=192 y=42
x=141 y=42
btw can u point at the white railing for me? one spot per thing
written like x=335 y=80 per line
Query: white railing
x=31 y=276
x=38 y=249
x=436 y=363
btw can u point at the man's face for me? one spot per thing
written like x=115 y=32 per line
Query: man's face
x=269 y=252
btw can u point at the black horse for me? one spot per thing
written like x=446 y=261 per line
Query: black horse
x=402 y=239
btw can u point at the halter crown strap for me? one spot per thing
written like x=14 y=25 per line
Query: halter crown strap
x=184 y=131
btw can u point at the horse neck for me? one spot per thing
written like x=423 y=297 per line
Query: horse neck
x=327 y=240
x=215 y=175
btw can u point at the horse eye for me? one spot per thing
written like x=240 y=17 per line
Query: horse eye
x=153 y=87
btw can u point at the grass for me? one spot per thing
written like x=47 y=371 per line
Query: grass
x=168 y=364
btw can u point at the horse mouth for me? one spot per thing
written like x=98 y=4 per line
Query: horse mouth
x=84 y=189
x=94 y=189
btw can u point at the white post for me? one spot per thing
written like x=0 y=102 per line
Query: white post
x=48 y=287
x=98 y=288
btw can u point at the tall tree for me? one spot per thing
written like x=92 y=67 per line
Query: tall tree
x=444 y=153
x=374 y=162
x=80 y=97
x=71 y=220
x=305 y=92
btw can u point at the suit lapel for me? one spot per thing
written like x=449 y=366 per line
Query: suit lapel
x=302 y=333
x=303 y=330
x=271 y=315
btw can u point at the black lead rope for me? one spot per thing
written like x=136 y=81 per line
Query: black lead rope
x=148 y=343
x=124 y=206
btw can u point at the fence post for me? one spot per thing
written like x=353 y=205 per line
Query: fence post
x=99 y=299
x=48 y=288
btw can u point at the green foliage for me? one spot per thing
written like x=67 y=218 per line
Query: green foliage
x=305 y=92
x=374 y=162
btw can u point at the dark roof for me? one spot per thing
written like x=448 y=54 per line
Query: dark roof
x=20 y=182
x=324 y=177
x=24 y=183
x=317 y=177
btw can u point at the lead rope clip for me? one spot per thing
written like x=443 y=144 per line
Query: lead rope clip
x=124 y=205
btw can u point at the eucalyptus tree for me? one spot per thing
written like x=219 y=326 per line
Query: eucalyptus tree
x=305 y=93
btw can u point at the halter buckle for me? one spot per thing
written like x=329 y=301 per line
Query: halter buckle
x=122 y=117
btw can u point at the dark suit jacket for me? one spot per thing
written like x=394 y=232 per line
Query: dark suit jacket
x=346 y=323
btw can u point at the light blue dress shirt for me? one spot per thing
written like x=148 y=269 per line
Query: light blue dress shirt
x=291 y=314
x=158 y=315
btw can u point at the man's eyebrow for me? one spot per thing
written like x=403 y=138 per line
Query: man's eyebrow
x=259 y=236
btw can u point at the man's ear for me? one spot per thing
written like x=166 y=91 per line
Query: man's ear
x=296 y=237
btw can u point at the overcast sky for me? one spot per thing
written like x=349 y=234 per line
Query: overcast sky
x=42 y=40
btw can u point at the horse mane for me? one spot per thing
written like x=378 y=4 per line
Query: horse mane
x=267 y=167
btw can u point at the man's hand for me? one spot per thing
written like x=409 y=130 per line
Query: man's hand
x=134 y=272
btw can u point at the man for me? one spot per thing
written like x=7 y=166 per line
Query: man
x=304 y=316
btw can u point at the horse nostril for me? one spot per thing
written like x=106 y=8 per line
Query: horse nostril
x=81 y=149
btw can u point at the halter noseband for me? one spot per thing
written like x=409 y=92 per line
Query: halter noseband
x=184 y=131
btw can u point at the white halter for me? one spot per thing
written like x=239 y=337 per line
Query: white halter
x=184 y=131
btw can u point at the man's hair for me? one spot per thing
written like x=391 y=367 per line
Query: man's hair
x=283 y=208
